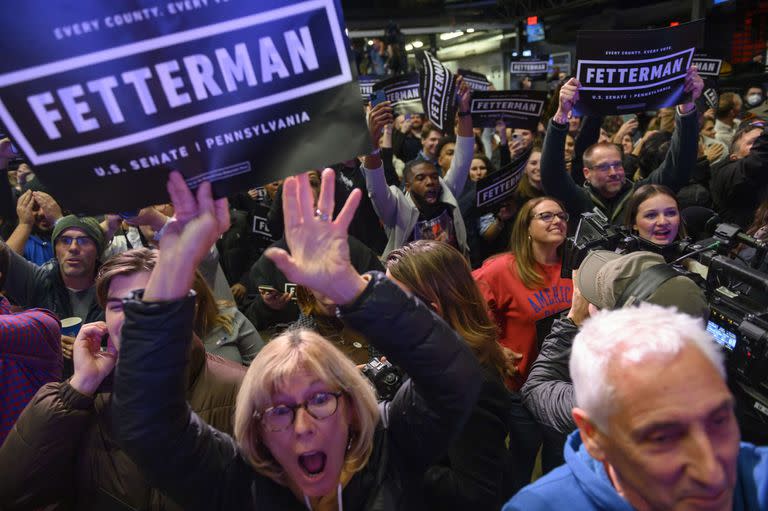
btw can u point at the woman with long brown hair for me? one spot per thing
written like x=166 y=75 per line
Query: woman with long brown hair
x=524 y=285
x=472 y=474
x=224 y=330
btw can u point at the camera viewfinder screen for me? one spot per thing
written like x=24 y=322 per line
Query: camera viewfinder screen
x=723 y=337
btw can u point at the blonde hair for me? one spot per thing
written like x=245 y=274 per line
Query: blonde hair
x=284 y=357
x=522 y=246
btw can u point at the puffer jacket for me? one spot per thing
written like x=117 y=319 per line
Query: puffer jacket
x=63 y=449
x=548 y=391
x=203 y=469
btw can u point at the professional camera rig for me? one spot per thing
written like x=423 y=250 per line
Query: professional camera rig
x=737 y=293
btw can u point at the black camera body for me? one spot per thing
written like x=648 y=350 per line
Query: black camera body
x=737 y=294
x=594 y=232
x=385 y=377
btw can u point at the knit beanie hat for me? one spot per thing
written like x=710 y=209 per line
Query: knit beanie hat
x=87 y=224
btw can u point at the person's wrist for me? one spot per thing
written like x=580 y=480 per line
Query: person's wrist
x=84 y=385
x=372 y=161
x=685 y=108
x=560 y=117
x=348 y=288
x=170 y=281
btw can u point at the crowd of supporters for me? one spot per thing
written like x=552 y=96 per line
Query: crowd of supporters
x=212 y=353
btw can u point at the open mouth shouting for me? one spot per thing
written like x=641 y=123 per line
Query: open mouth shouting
x=661 y=234
x=430 y=196
x=312 y=463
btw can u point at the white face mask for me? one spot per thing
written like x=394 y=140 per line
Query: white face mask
x=754 y=99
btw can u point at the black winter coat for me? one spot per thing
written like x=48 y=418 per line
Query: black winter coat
x=738 y=187
x=202 y=468
x=548 y=391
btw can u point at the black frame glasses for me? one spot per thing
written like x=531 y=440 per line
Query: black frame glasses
x=548 y=216
x=281 y=417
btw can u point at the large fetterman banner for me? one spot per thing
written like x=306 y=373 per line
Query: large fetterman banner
x=111 y=96
x=625 y=71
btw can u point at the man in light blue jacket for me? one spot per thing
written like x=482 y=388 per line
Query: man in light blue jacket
x=657 y=428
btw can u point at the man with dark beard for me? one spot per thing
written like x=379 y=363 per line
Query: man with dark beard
x=37 y=212
x=428 y=209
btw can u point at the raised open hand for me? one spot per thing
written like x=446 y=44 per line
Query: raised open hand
x=319 y=257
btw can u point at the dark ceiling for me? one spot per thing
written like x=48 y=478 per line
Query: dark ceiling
x=564 y=16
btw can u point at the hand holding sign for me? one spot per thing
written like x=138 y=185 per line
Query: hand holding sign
x=379 y=116
x=569 y=96
x=465 y=97
x=693 y=85
x=199 y=222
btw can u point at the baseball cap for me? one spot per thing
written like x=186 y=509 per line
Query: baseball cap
x=603 y=276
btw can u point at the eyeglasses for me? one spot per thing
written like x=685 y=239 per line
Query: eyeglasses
x=82 y=241
x=548 y=216
x=320 y=406
x=605 y=167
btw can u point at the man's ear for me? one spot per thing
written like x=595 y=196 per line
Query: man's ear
x=586 y=173
x=591 y=436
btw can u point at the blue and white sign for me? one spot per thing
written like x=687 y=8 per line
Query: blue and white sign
x=111 y=97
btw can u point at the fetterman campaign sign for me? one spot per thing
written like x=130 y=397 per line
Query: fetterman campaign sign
x=113 y=95
x=402 y=92
x=496 y=189
x=623 y=71
x=518 y=109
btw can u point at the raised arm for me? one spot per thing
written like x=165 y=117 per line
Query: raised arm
x=175 y=449
x=554 y=178
x=383 y=198
x=675 y=170
x=20 y=235
x=456 y=176
x=445 y=375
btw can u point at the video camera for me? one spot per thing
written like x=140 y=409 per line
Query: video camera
x=737 y=294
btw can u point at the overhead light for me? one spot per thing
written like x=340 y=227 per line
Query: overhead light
x=451 y=35
x=470 y=30
x=526 y=53
x=408 y=47
x=417 y=44
x=514 y=54
x=370 y=42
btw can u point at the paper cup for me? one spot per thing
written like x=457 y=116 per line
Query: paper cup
x=71 y=326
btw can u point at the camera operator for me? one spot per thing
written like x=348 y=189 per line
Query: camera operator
x=600 y=281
